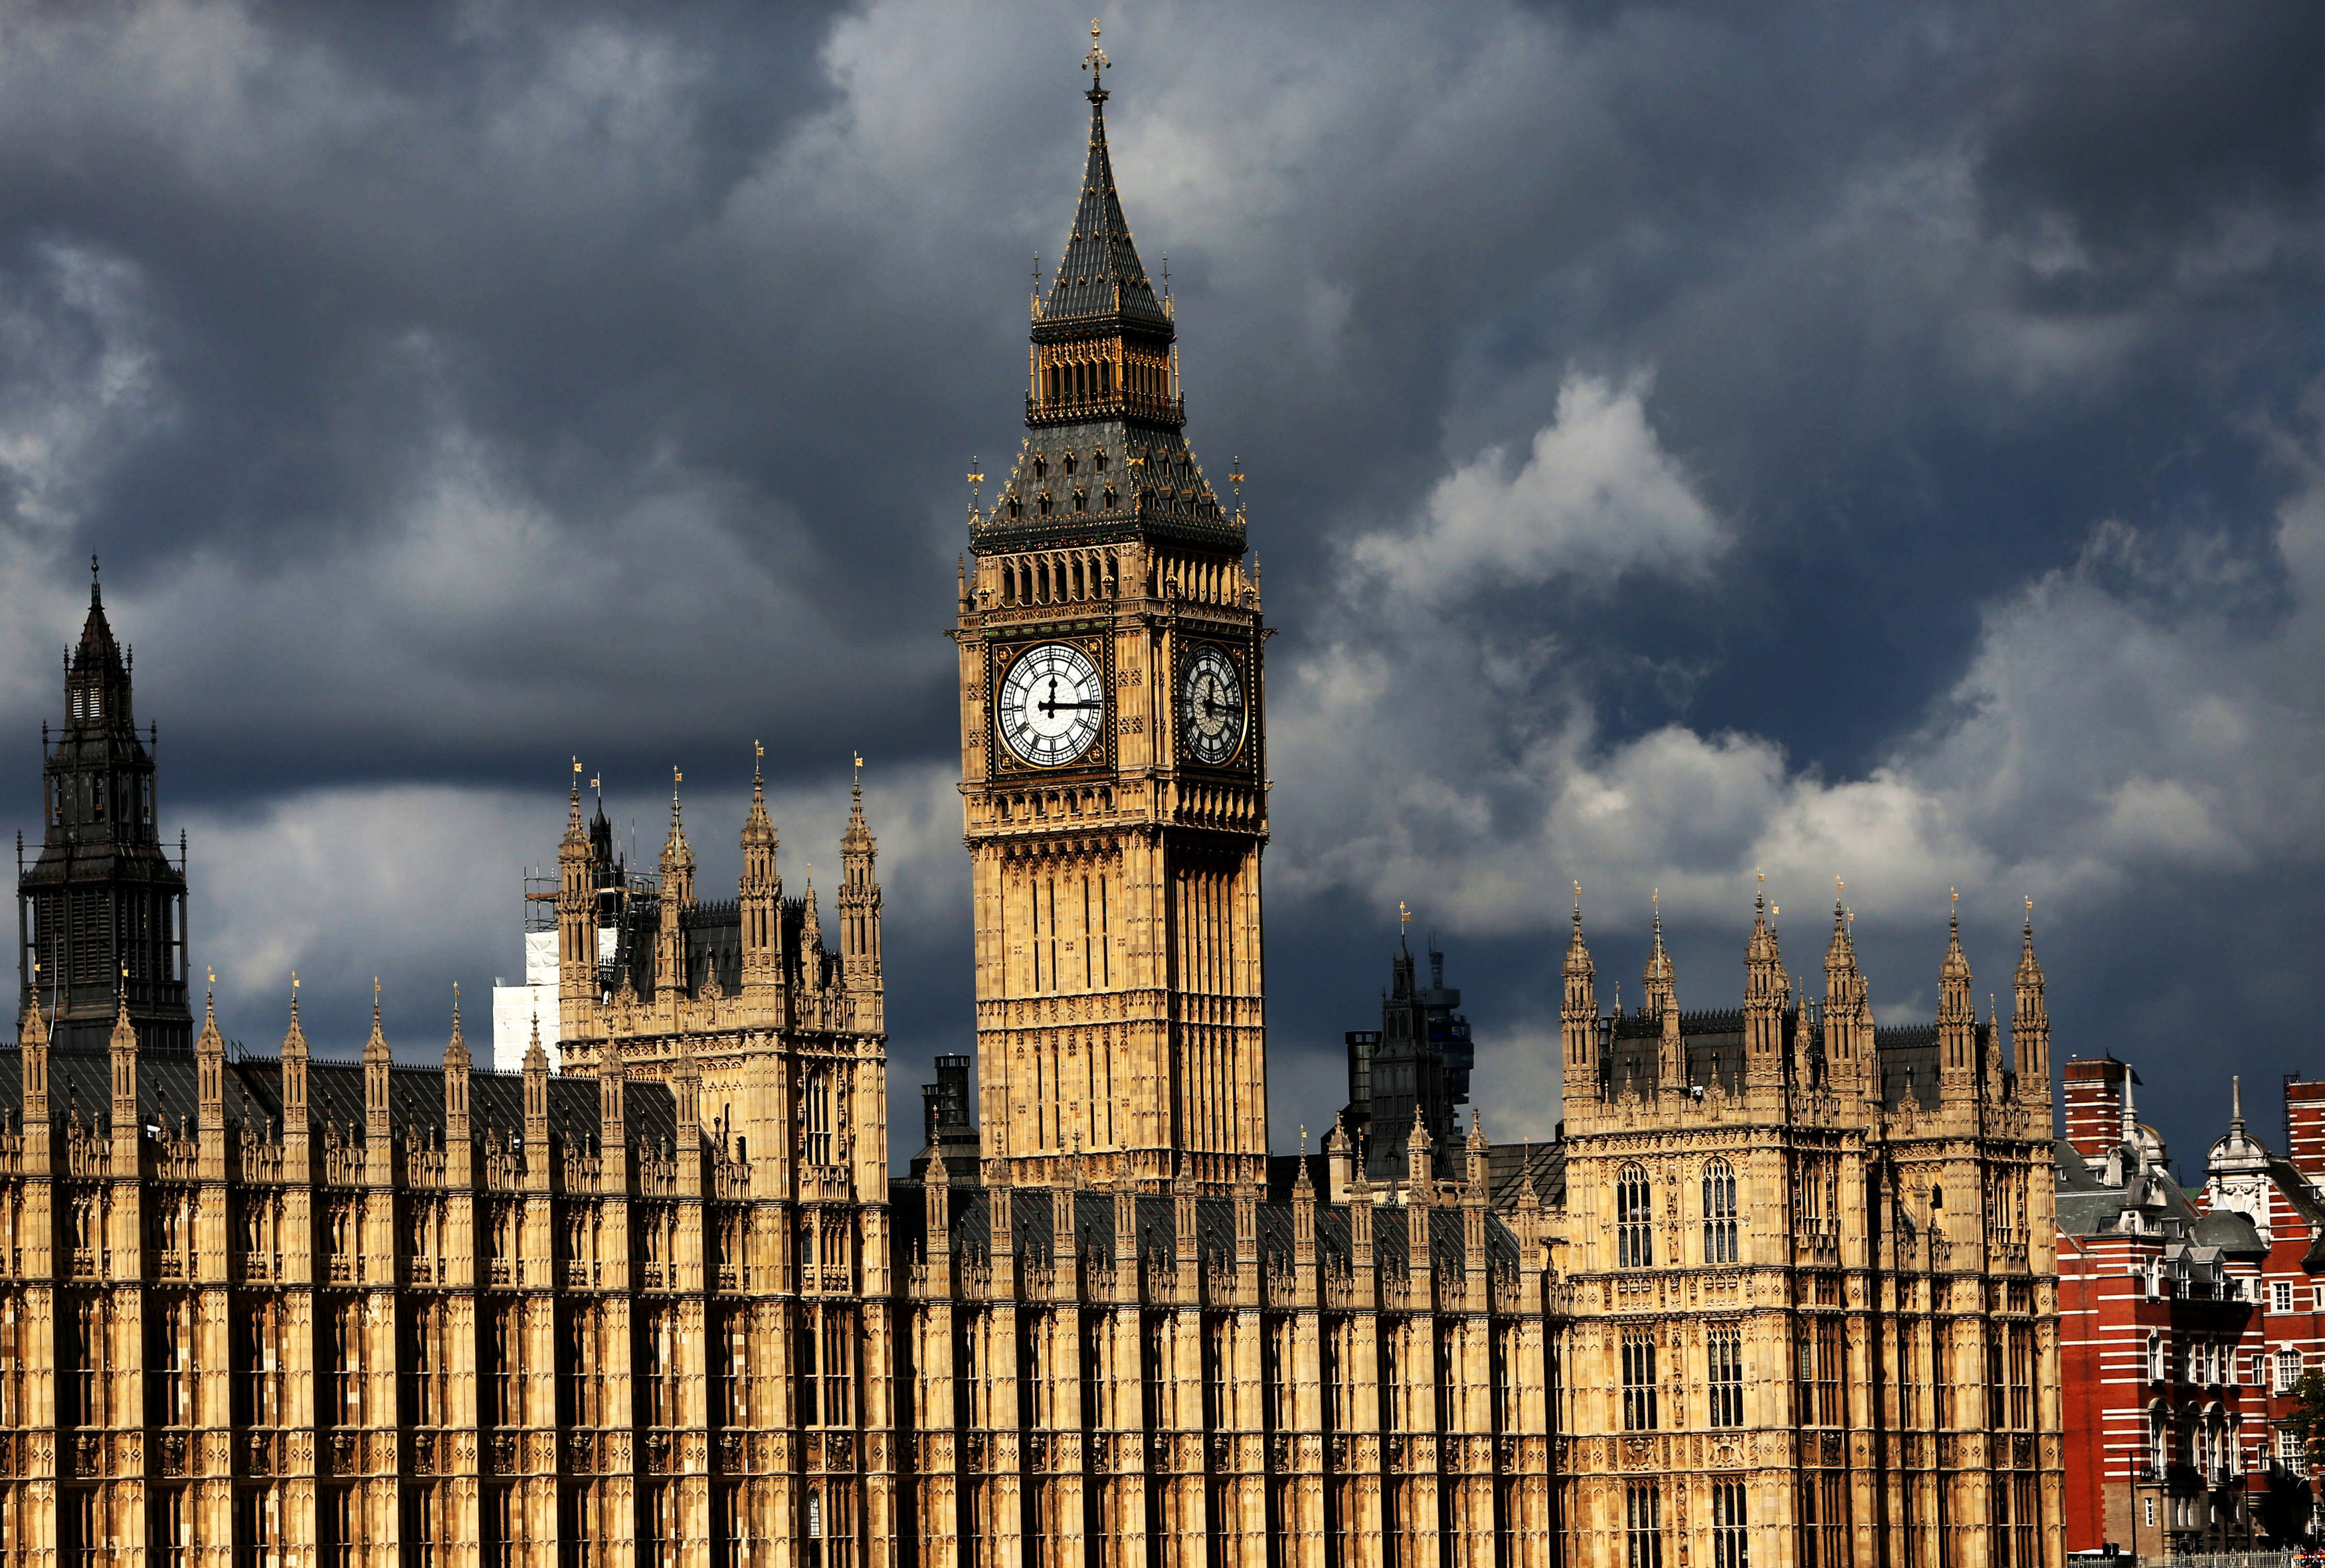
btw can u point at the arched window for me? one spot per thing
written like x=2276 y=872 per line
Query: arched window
x=1719 y=1213
x=818 y=1117
x=1635 y=1245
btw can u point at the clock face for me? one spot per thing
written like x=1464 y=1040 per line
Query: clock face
x=1051 y=706
x=1212 y=702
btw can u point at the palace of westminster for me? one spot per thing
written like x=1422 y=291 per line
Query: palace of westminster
x=1781 y=1294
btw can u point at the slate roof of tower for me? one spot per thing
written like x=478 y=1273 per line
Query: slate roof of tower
x=167 y=1087
x=1100 y=274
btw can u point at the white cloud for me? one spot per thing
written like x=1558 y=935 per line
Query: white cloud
x=1596 y=496
x=2117 y=720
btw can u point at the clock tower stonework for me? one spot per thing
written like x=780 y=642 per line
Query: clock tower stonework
x=1113 y=758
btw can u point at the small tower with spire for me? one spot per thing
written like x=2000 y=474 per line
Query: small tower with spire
x=1578 y=1016
x=1849 y=1049
x=859 y=912
x=671 y=978
x=2030 y=1022
x=1957 y=1059
x=762 y=894
x=576 y=921
x=1767 y=993
x=101 y=848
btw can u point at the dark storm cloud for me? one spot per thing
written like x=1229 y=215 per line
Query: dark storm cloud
x=1872 y=441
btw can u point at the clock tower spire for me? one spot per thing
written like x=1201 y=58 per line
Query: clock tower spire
x=1112 y=753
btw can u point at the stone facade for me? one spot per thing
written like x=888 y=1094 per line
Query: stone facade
x=1809 y=1275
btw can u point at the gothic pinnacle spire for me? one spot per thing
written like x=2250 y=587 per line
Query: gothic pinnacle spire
x=294 y=1039
x=1100 y=272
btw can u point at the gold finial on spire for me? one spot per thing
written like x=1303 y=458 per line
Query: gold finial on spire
x=1095 y=61
x=1235 y=477
x=976 y=485
x=1403 y=915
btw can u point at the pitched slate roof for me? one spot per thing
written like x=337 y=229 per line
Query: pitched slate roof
x=1100 y=274
x=167 y=1088
x=971 y=1230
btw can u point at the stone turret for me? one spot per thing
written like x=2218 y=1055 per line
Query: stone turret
x=762 y=891
x=1767 y=993
x=1578 y=1015
x=1958 y=1063
x=2030 y=1022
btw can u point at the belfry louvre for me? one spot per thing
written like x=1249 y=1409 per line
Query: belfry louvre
x=1781 y=1295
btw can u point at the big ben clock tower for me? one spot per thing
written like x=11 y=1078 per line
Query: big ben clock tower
x=1113 y=755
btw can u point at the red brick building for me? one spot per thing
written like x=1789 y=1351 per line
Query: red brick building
x=2186 y=1314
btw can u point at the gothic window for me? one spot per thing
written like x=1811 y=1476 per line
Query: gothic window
x=502 y=1383
x=1824 y=1520
x=503 y=1237
x=1111 y=498
x=2018 y=1370
x=1283 y=1355
x=504 y=1524
x=426 y=1366
x=1081 y=501
x=665 y=1529
x=1509 y=1359
x=819 y=1116
x=90 y=1364
x=1634 y=1219
x=734 y=1369
x=1724 y=1377
x=345 y=1335
x=1044 y=503
x=1219 y=1364
x=423 y=1524
x=172 y=1510
x=1397 y=1396
x=730 y=1236
x=1097 y=459
x=1069 y=462
x=585 y=1360
x=13 y=1345
x=258 y=1358
x=1642 y=1525
x=1730 y=1543
x=1040 y=467
x=173 y=1364
x=663 y=1340
x=1814 y=1196
x=830 y=1520
x=1638 y=1353
x=1819 y=1368
x=1016 y=506
x=1719 y=1213
x=344 y=1228
x=1340 y=1374
x=259 y=1523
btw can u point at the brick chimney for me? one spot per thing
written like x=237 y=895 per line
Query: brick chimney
x=2095 y=1105
x=2304 y=1126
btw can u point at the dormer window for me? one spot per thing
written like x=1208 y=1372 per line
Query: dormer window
x=1069 y=462
x=1045 y=503
x=1040 y=467
x=1100 y=458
